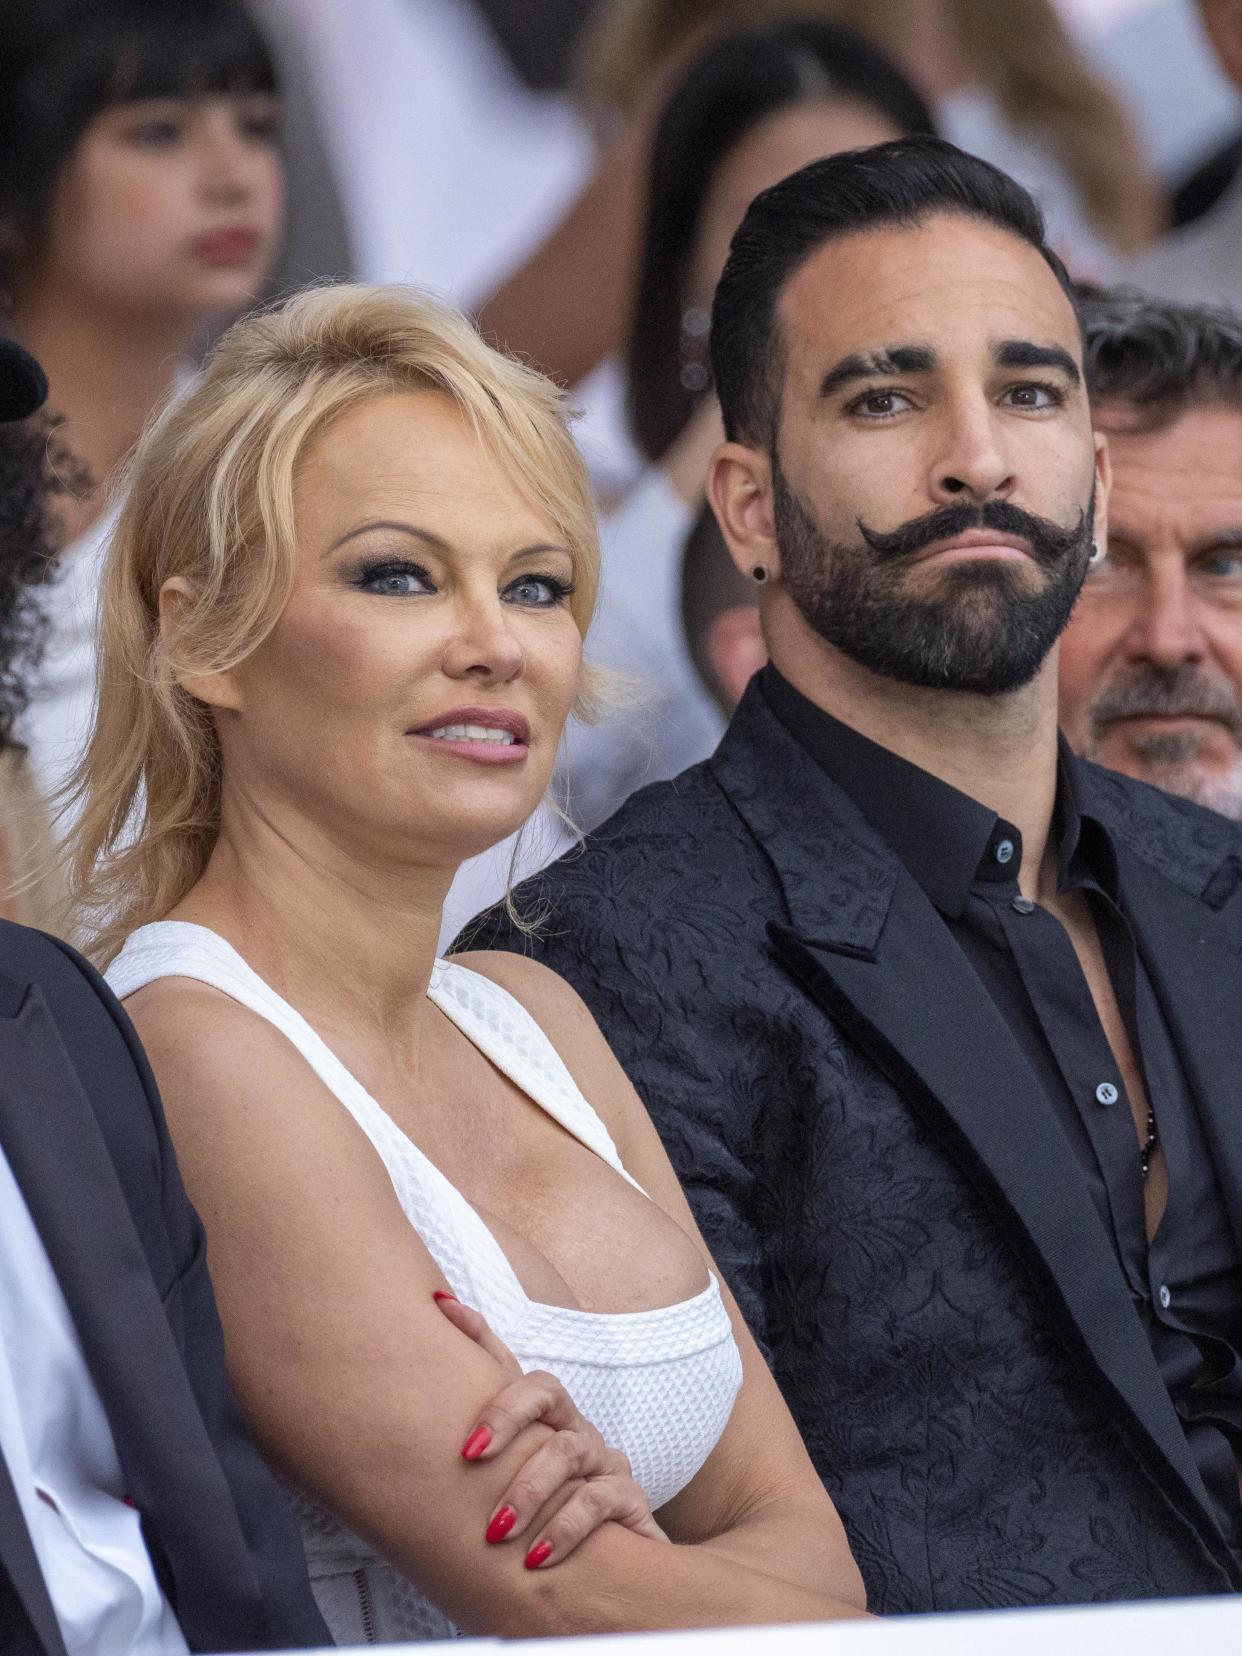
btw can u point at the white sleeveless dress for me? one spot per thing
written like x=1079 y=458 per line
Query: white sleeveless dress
x=658 y=1384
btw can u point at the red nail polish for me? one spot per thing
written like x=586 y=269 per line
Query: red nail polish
x=476 y=1443
x=538 y=1554
x=443 y=1294
x=501 y=1524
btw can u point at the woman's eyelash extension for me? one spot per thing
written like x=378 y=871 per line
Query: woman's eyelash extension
x=379 y=567
x=556 y=584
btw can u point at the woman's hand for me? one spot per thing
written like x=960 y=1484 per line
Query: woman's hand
x=573 y=1484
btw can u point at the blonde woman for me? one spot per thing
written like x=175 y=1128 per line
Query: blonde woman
x=343 y=625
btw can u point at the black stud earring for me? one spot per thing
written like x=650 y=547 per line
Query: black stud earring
x=759 y=573
x=1096 y=554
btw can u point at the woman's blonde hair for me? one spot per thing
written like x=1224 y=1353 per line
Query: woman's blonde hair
x=1020 y=50
x=210 y=498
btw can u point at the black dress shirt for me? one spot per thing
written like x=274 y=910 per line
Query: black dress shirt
x=1187 y=1282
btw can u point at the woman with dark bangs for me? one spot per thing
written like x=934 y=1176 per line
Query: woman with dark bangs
x=141 y=204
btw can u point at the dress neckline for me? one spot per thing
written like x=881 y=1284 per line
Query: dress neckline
x=305 y=1038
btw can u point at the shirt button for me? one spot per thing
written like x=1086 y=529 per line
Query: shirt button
x=1166 y=1298
x=1004 y=851
x=1023 y=905
x=1106 y=1093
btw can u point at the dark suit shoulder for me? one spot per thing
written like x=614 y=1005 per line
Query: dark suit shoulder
x=636 y=868
x=1195 y=848
x=89 y=1019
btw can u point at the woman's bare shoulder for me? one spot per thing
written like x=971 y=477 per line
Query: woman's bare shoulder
x=222 y=1069
x=181 y=1019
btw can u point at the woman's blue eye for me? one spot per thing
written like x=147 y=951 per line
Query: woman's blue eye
x=391 y=580
x=540 y=590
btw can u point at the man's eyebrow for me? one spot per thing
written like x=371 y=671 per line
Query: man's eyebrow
x=893 y=359
x=389 y=523
x=1025 y=353
x=1221 y=540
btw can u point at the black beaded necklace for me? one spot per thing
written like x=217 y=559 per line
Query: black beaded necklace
x=1149 y=1143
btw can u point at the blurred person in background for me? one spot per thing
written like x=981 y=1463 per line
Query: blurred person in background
x=31 y=888
x=141 y=202
x=719 y=615
x=754 y=106
x=1151 y=662
x=1202 y=262
x=1006 y=81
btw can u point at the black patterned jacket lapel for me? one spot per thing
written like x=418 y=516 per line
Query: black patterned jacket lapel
x=58 y=1155
x=867 y=945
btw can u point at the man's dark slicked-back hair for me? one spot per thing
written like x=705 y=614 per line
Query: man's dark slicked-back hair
x=1157 y=357
x=903 y=183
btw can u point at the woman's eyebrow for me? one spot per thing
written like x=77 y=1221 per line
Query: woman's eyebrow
x=432 y=540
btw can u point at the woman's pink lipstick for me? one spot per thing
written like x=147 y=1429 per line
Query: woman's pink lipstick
x=234 y=245
x=487 y=735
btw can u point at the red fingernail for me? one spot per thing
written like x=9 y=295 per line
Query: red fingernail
x=501 y=1524
x=538 y=1554
x=442 y=1294
x=476 y=1443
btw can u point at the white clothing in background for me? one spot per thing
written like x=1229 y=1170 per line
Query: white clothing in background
x=975 y=122
x=658 y=1384
x=637 y=632
x=56 y=725
x=1158 y=58
x=61 y=1457
x=1199 y=264
x=450 y=170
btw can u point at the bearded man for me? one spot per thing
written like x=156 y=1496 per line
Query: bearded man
x=940 y=1023
x=1151 y=662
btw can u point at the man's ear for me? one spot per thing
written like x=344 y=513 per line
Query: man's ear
x=739 y=491
x=1103 y=489
x=218 y=690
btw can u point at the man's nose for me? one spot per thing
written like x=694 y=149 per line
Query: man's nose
x=970 y=463
x=1166 y=629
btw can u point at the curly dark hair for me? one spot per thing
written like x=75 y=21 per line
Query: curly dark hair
x=27 y=551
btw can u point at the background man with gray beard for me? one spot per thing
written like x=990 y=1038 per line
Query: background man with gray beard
x=1151 y=663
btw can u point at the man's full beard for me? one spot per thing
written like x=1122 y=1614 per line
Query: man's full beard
x=982 y=632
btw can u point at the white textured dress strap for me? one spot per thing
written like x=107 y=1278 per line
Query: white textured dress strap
x=505 y=1032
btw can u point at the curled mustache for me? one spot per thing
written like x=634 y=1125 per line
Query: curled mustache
x=1050 y=544
x=1185 y=692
